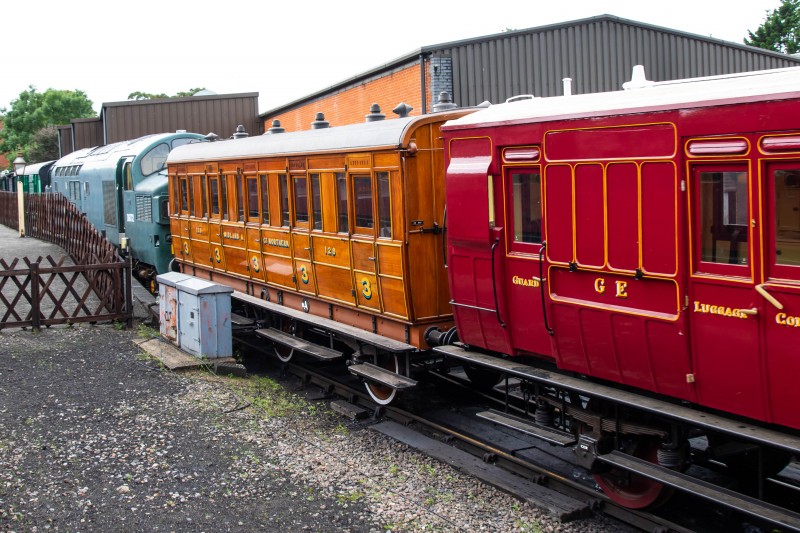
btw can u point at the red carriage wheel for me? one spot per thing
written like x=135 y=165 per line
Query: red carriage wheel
x=633 y=490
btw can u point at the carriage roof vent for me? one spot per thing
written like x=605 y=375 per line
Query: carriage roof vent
x=211 y=137
x=319 y=122
x=240 y=133
x=276 y=128
x=402 y=110
x=567 y=83
x=638 y=79
x=484 y=104
x=374 y=114
x=445 y=103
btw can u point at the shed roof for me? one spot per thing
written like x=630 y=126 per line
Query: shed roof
x=415 y=54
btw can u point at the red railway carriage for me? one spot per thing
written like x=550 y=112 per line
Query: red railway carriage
x=647 y=237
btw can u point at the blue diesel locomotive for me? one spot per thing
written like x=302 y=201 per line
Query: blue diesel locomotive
x=122 y=188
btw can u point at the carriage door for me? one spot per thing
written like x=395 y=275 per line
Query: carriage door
x=781 y=289
x=124 y=182
x=476 y=245
x=525 y=258
x=725 y=311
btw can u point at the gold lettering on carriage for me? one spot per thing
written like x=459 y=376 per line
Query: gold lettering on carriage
x=782 y=319
x=280 y=243
x=720 y=310
x=231 y=235
x=622 y=287
x=525 y=282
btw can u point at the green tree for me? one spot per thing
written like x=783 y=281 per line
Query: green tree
x=780 y=30
x=44 y=145
x=33 y=110
x=139 y=95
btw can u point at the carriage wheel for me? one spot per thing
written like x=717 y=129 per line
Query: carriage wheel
x=284 y=353
x=381 y=394
x=632 y=490
x=482 y=378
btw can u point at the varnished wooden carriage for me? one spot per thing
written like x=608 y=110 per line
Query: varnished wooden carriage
x=335 y=226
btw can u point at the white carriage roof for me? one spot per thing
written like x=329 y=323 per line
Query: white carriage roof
x=382 y=133
x=642 y=96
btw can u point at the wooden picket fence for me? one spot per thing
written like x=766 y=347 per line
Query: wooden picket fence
x=46 y=291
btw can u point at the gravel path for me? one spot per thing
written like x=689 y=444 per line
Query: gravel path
x=96 y=436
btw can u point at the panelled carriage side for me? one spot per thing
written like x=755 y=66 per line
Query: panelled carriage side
x=648 y=238
x=332 y=228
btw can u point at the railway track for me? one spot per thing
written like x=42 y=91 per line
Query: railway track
x=527 y=467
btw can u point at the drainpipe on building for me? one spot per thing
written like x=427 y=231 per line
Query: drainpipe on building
x=423 y=89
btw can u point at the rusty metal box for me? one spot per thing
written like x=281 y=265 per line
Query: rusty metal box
x=168 y=304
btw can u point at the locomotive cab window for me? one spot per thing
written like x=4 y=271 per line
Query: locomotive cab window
x=362 y=194
x=155 y=159
x=526 y=206
x=722 y=227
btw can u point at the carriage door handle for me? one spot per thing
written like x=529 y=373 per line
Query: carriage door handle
x=767 y=296
x=749 y=312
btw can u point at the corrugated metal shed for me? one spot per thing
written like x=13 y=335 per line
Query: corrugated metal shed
x=598 y=53
x=220 y=114
x=87 y=132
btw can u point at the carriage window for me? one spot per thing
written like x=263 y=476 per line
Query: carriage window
x=204 y=195
x=723 y=217
x=264 y=199
x=316 y=209
x=240 y=196
x=362 y=190
x=384 y=206
x=341 y=193
x=252 y=198
x=300 y=200
x=190 y=186
x=155 y=159
x=527 y=207
x=176 y=187
x=214 y=193
x=283 y=186
x=787 y=217
x=223 y=196
x=184 y=196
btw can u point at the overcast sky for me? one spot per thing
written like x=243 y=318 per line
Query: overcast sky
x=284 y=49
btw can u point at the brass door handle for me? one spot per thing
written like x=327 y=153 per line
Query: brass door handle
x=767 y=296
